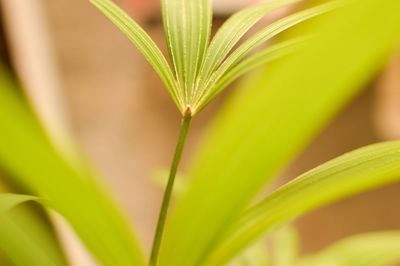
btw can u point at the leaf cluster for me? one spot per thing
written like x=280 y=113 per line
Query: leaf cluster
x=202 y=68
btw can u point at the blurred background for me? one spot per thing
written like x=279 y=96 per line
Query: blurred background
x=88 y=83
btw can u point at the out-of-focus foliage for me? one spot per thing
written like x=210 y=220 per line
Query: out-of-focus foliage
x=255 y=255
x=282 y=250
x=32 y=161
x=26 y=237
x=9 y=201
x=380 y=249
x=375 y=249
x=285 y=249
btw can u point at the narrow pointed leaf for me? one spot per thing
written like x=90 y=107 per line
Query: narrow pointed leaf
x=32 y=161
x=187 y=25
x=272 y=53
x=271 y=118
x=231 y=32
x=258 y=39
x=143 y=43
x=379 y=248
x=357 y=171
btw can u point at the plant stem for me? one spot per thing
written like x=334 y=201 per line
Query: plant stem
x=170 y=185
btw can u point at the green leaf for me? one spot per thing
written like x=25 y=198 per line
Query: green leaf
x=255 y=41
x=144 y=43
x=229 y=35
x=379 y=248
x=32 y=161
x=187 y=25
x=269 y=54
x=25 y=237
x=357 y=171
x=271 y=119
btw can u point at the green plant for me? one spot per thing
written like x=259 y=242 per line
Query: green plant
x=263 y=126
x=203 y=69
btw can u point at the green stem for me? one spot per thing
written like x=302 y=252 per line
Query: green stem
x=168 y=191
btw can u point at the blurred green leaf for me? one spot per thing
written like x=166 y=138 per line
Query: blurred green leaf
x=377 y=249
x=363 y=169
x=26 y=239
x=29 y=157
x=273 y=117
x=285 y=246
x=283 y=250
x=255 y=255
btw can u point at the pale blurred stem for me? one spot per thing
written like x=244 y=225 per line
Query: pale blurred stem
x=168 y=191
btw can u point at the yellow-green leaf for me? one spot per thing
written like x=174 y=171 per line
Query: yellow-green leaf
x=357 y=171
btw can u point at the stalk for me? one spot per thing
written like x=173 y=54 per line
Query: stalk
x=170 y=185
